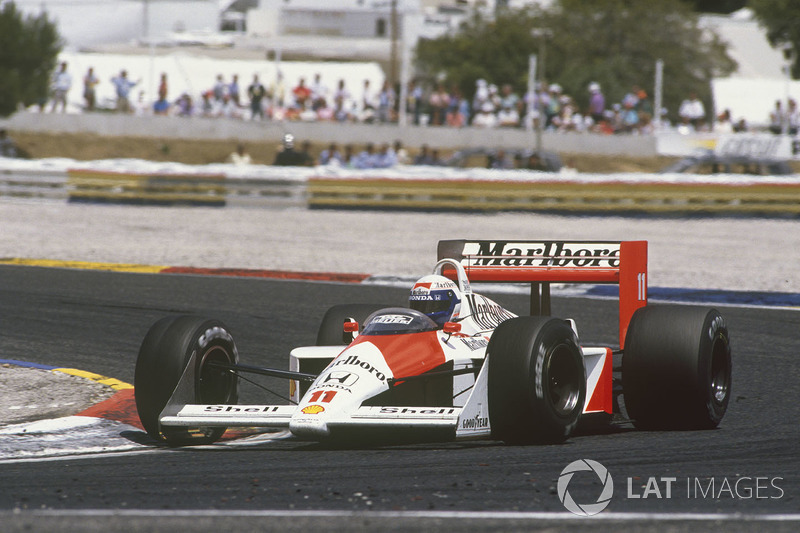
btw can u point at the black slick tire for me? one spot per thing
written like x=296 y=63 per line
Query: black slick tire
x=536 y=381
x=676 y=368
x=163 y=356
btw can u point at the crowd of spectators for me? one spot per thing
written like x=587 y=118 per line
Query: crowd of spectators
x=491 y=106
x=317 y=99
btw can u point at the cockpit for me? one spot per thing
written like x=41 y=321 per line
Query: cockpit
x=397 y=321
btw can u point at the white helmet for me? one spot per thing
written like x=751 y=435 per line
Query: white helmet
x=436 y=296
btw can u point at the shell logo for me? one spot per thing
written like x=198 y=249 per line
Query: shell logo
x=312 y=409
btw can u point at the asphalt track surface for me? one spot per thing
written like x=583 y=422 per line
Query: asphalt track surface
x=96 y=320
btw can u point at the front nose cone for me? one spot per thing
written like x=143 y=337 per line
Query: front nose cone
x=309 y=428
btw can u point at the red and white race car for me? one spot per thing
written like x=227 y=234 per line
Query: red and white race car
x=455 y=364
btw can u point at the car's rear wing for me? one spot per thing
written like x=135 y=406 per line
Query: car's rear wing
x=541 y=263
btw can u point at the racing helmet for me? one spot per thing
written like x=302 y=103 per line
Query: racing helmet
x=436 y=296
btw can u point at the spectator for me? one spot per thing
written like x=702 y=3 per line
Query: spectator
x=161 y=106
x=631 y=98
x=140 y=107
x=438 y=102
x=436 y=161
x=414 y=101
x=123 y=86
x=319 y=93
x=365 y=158
x=305 y=152
x=90 y=82
x=240 y=156
x=301 y=94
x=597 y=102
x=792 y=117
x=535 y=162
x=777 y=118
x=256 y=93
x=220 y=89
x=481 y=95
x=630 y=118
x=185 y=105
x=508 y=114
x=424 y=157
x=553 y=107
x=385 y=158
x=500 y=161
x=233 y=91
x=509 y=107
x=227 y=108
x=457 y=109
x=368 y=103
x=386 y=101
x=331 y=156
x=288 y=156
x=740 y=126
x=342 y=103
x=348 y=156
x=401 y=153
x=62 y=81
x=7 y=146
x=323 y=110
x=485 y=117
x=277 y=93
x=724 y=123
x=692 y=109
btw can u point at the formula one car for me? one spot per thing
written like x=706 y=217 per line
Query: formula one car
x=455 y=364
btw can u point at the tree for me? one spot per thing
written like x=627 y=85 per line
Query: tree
x=613 y=42
x=29 y=48
x=781 y=18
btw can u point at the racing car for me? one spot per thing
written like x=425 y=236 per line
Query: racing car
x=455 y=364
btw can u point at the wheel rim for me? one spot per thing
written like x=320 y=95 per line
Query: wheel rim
x=564 y=381
x=214 y=384
x=720 y=371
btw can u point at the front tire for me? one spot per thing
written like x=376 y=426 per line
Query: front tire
x=537 y=381
x=676 y=368
x=163 y=357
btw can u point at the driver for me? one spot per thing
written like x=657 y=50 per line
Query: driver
x=436 y=296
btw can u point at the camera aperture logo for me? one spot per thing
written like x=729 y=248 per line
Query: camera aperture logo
x=591 y=508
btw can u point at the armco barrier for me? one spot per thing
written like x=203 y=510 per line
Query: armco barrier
x=472 y=195
x=122 y=187
x=33 y=184
x=414 y=189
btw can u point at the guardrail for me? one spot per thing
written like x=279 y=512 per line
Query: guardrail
x=472 y=195
x=33 y=184
x=124 y=187
x=151 y=188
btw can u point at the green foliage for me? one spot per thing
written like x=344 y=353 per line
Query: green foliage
x=613 y=42
x=781 y=18
x=29 y=47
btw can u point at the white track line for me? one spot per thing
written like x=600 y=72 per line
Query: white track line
x=479 y=515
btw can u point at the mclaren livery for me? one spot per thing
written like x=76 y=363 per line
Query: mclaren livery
x=455 y=364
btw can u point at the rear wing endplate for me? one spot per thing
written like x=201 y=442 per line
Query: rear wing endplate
x=541 y=263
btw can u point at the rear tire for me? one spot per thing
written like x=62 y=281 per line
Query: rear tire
x=330 y=331
x=676 y=368
x=166 y=350
x=537 y=381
